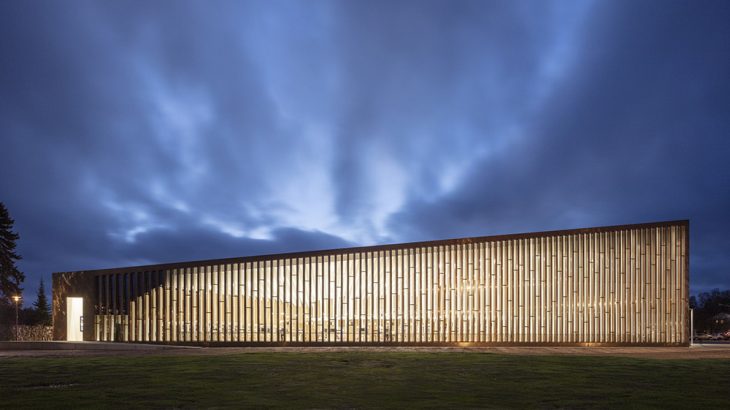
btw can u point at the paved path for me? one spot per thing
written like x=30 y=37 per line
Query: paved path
x=708 y=351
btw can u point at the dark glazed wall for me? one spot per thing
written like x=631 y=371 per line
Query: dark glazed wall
x=73 y=284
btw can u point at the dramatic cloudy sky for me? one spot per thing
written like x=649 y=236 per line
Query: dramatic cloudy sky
x=135 y=132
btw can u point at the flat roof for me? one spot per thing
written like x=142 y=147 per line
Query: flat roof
x=375 y=248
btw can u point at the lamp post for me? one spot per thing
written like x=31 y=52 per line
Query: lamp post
x=16 y=299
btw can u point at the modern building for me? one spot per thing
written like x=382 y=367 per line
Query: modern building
x=617 y=285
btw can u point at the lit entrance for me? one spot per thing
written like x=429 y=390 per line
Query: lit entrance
x=74 y=319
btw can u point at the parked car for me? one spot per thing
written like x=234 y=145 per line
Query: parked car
x=703 y=336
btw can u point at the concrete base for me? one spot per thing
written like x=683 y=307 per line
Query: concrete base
x=59 y=345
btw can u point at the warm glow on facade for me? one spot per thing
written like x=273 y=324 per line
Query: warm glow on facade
x=615 y=285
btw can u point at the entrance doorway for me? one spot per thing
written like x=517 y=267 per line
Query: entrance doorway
x=74 y=319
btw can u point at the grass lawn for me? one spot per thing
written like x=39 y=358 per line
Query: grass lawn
x=362 y=380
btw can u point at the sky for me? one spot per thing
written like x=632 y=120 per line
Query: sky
x=138 y=132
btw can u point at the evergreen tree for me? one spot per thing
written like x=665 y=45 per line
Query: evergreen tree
x=10 y=276
x=42 y=309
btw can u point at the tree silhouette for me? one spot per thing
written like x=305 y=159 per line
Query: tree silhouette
x=42 y=309
x=707 y=306
x=10 y=276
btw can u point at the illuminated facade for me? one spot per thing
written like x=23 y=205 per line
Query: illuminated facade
x=612 y=285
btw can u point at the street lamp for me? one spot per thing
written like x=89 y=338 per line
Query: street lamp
x=16 y=299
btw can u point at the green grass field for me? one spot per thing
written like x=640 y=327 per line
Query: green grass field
x=362 y=380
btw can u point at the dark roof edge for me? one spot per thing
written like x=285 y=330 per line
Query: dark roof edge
x=406 y=245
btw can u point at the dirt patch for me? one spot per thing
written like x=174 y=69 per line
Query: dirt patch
x=53 y=386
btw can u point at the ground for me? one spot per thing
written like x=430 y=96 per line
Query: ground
x=367 y=378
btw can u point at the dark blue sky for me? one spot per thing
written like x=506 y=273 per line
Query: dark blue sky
x=136 y=132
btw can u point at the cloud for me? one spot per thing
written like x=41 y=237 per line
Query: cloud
x=137 y=132
x=629 y=135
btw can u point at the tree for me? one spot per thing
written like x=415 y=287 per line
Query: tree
x=707 y=305
x=10 y=276
x=42 y=309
